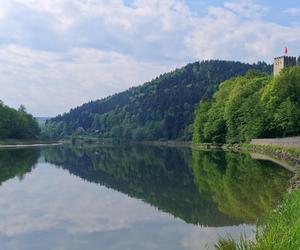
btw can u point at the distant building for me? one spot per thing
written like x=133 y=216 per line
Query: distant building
x=283 y=62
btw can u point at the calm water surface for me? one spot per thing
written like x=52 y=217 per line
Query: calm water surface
x=119 y=198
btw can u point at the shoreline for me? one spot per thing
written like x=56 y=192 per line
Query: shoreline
x=288 y=155
x=28 y=145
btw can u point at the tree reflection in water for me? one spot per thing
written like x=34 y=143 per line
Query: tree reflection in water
x=243 y=188
x=205 y=188
x=17 y=162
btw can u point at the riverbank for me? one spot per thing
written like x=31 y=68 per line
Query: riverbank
x=290 y=155
x=281 y=229
x=10 y=143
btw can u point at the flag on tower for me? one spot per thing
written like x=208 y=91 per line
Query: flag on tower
x=286 y=50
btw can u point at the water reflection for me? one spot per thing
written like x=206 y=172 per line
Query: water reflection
x=17 y=163
x=243 y=188
x=159 y=176
x=77 y=198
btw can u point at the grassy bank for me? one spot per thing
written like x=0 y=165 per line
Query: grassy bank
x=281 y=229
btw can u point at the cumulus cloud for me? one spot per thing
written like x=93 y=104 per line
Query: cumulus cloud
x=59 y=82
x=225 y=34
x=66 y=52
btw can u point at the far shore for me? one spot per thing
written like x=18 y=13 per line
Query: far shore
x=27 y=144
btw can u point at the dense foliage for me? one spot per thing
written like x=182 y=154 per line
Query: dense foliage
x=17 y=124
x=252 y=106
x=162 y=108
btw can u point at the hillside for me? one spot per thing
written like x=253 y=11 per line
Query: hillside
x=252 y=106
x=162 y=108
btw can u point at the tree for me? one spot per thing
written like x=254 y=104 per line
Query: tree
x=252 y=106
x=22 y=108
x=17 y=124
x=169 y=101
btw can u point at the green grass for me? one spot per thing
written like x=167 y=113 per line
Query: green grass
x=281 y=229
x=230 y=244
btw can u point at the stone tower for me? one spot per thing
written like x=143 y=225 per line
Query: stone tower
x=283 y=62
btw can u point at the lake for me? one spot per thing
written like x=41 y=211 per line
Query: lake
x=132 y=197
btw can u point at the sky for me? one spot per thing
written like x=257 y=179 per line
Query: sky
x=58 y=54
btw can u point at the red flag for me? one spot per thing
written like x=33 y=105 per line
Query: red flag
x=286 y=50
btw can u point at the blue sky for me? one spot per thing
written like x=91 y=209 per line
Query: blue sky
x=57 y=54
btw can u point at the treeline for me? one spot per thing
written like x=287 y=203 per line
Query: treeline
x=161 y=109
x=17 y=124
x=252 y=106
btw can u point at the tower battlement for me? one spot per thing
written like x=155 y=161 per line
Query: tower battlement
x=283 y=62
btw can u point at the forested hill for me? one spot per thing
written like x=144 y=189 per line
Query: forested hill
x=161 y=108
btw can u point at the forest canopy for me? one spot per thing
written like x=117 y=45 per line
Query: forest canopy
x=255 y=105
x=160 y=109
x=17 y=124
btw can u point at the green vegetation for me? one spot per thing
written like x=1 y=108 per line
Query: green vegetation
x=230 y=244
x=282 y=228
x=252 y=106
x=161 y=109
x=280 y=231
x=42 y=121
x=17 y=124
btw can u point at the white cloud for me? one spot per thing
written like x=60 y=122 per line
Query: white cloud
x=293 y=11
x=46 y=82
x=67 y=52
x=247 y=8
x=224 y=34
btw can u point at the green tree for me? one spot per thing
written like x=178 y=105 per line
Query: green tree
x=200 y=120
x=168 y=101
x=17 y=124
x=251 y=106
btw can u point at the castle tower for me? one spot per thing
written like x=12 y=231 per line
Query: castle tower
x=283 y=62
